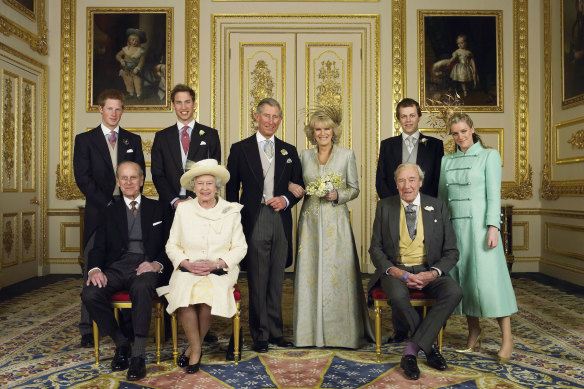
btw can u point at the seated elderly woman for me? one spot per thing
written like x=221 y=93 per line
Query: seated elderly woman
x=205 y=245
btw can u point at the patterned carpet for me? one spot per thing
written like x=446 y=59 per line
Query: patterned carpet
x=39 y=349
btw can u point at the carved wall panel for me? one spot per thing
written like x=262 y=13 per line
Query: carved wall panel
x=28 y=154
x=27 y=23
x=9 y=136
x=28 y=236
x=564 y=239
x=9 y=232
x=520 y=236
x=69 y=233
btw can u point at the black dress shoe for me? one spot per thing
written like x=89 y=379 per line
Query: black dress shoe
x=137 y=369
x=261 y=346
x=398 y=337
x=121 y=358
x=281 y=342
x=182 y=360
x=87 y=341
x=410 y=366
x=192 y=369
x=210 y=337
x=436 y=360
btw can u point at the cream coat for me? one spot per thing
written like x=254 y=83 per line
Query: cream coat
x=198 y=233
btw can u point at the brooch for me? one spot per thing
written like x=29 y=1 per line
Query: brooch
x=226 y=209
x=428 y=208
x=126 y=142
x=201 y=132
x=284 y=152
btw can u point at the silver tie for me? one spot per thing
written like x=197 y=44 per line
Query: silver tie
x=411 y=220
x=269 y=149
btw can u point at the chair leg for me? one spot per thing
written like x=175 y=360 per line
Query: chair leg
x=96 y=342
x=158 y=330
x=378 y=331
x=236 y=334
x=173 y=326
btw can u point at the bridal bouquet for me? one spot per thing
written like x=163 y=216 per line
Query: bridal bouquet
x=324 y=185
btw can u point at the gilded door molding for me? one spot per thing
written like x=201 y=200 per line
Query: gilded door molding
x=39 y=41
x=66 y=189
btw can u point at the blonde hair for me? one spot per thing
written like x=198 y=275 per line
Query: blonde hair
x=325 y=117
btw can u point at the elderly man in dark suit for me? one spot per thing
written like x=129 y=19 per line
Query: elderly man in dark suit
x=263 y=165
x=129 y=254
x=414 y=247
x=410 y=146
x=95 y=157
x=173 y=146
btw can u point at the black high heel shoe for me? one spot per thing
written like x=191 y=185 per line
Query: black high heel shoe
x=183 y=360
x=192 y=369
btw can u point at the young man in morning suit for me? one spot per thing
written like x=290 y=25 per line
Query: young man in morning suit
x=413 y=246
x=410 y=146
x=173 y=146
x=96 y=155
x=263 y=165
x=129 y=254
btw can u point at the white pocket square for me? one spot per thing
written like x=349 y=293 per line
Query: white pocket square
x=156 y=223
x=129 y=151
x=289 y=160
x=202 y=143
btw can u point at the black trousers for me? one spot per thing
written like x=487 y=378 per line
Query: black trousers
x=122 y=276
x=444 y=289
x=267 y=252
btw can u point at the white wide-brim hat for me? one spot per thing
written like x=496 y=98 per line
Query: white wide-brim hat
x=205 y=166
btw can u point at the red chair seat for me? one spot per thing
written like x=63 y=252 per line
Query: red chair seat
x=123 y=296
x=378 y=294
x=236 y=293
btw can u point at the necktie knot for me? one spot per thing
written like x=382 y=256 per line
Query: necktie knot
x=134 y=210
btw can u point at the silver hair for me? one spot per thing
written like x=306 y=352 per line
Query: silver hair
x=218 y=181
x=130 y=163
x=406 y=165
x=268 y=101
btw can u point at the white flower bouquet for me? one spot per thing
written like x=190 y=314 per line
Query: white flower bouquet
x=324 y=185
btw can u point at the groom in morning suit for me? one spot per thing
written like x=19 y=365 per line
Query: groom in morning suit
x=129 y=254
x=413 y=247
x=264 y=166
x=96 y=155
x=173 y=146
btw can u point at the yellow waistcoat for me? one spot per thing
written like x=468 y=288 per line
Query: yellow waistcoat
x=411 y=252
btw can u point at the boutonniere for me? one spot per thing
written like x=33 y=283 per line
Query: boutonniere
x=284 y=152
x=126 y=142
x=423 y=141
x=428 y=208
x=201 y=132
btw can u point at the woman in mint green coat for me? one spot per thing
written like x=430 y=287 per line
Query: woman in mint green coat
x=470 y=183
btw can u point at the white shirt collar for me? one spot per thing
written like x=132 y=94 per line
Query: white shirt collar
x=415 y=135
x=137 y=199
x=260 y=138
x=180 y=125
x=107 y=131
x=416 y=202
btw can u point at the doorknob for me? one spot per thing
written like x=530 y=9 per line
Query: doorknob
x=34 y=201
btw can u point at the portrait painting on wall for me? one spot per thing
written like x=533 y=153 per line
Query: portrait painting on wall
x=573 y=53
x=460 y=55
x=130 y=50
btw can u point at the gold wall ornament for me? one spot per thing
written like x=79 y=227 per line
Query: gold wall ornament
x=8 y=129
x=577 y=140
x=27 y=234
x=147 y=146
x=39 y=41
x=398 y=51
x=8 y=237
x=192 y=47
x=27 y=131
x=24 y=10
x=262 y=86
x=329 y=91
x=521 y=191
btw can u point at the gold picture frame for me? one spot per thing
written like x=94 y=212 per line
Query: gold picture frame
x=130 y=49
x=460 y=53
x=66 y=189
x=33 y=11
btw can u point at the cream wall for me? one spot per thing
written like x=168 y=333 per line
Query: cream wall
x=547 y=237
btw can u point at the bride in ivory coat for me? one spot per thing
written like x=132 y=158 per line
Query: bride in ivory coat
x=329 y=302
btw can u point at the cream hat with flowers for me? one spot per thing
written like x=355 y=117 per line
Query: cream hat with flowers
x=205 y=166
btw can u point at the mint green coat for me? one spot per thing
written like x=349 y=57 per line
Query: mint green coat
x=470 y=183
